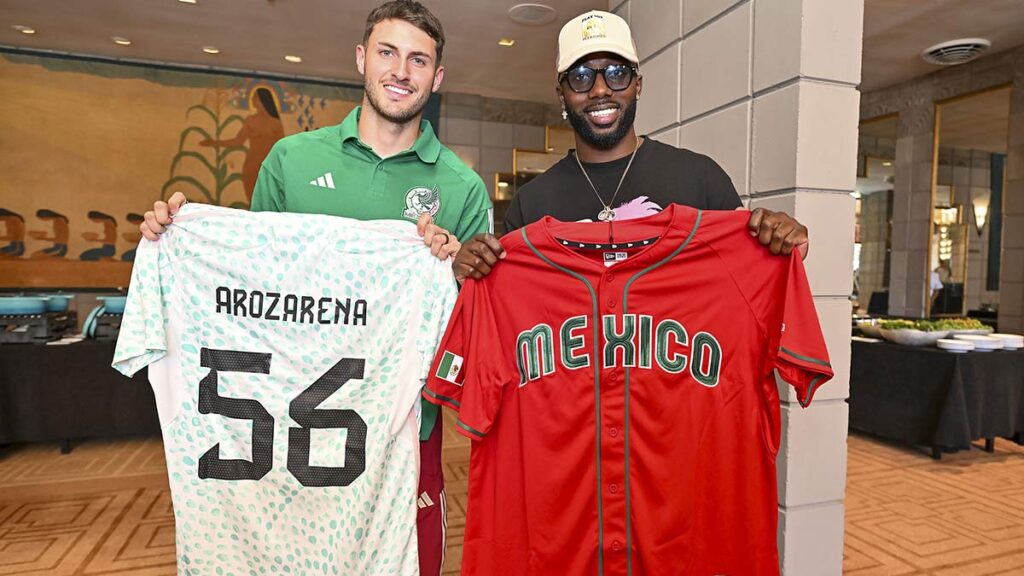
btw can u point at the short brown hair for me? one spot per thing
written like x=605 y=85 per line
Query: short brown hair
x=408 y=11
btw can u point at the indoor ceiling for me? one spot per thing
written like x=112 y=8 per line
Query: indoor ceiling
x=258 y=34
x=897 y=31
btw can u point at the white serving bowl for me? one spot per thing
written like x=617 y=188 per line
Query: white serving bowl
x=912 y=337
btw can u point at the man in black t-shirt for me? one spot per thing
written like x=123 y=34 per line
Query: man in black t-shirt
x=660 y=175
x=613 y=174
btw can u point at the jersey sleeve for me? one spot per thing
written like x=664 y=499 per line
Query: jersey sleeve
x=802 y=359
x=142 y=339
x=479 y=214
x=469 y=373
x=441 y=299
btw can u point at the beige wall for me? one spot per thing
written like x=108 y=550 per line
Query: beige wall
x=768 y=89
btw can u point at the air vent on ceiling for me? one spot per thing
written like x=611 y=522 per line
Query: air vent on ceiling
x=532 y=14
x=955 y=51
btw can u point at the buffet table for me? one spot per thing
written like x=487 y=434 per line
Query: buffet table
x=60 y=393
x=930 y=397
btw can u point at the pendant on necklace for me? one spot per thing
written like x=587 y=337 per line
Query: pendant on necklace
x=606 y=215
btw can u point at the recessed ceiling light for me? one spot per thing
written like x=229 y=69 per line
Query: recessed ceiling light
x=121 y=41
x=293 y=59
x=211 y=50
x=887 y=163
x=506 y=42
x=24 y=29
x=531 y=14
x=187 y=1
x=956 y=51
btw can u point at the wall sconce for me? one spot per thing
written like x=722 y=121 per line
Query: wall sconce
x=980 y=201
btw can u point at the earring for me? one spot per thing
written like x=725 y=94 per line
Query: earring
x=565 y=115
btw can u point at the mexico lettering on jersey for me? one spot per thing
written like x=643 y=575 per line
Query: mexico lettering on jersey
x=287 y=353
x=625 y=409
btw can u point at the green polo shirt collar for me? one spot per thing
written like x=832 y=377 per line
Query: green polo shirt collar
x=427 y=146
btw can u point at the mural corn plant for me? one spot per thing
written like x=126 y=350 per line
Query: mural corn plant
x=205 y=169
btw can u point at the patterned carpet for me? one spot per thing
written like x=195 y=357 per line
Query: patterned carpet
x=105 y=509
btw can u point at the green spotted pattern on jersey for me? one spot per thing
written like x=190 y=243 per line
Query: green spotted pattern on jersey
x=269 y=499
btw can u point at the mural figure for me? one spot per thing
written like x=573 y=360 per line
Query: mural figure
x=133 y=236
x=14 y=234
x=61 y=233
x=261 y=130
x=108 y=240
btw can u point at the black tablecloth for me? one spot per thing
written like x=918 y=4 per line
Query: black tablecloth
x=931 y=397
x=52 y=393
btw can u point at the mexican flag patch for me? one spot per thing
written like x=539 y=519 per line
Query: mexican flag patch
x=449 y=368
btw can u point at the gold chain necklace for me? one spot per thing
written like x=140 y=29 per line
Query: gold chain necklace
x=607 y=214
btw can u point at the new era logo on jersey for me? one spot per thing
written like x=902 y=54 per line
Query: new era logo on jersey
x=451 y=365
x=325 y=181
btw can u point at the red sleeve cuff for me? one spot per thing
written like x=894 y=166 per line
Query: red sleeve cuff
x=440 y=399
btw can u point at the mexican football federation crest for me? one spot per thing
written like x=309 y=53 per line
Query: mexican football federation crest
x=420 y=200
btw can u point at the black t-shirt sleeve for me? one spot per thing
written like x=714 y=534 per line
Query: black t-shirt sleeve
x=514 y=215
x=720 y=194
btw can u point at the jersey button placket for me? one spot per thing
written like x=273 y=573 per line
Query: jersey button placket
x=612 y=446
x=378 y=182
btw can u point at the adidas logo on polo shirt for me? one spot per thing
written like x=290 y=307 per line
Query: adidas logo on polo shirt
x=325 y=181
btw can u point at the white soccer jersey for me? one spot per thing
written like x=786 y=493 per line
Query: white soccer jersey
x=286 y=353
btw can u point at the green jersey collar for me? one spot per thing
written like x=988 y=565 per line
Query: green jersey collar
x=427 y=146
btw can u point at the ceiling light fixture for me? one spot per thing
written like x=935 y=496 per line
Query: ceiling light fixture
x=293 y=59
x=121 y=41
x=531 y=14
x=211 y=50
x=187 y=1
x=955 y=51
x=506 y=42
x=24 y=29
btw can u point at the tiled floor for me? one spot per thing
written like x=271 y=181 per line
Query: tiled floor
x=105 y=509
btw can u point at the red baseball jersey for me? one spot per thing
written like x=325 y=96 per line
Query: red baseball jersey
x=618 y=380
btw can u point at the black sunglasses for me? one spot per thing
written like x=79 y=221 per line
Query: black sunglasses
x=617 y=77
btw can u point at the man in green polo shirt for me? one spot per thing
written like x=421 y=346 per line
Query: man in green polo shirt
x=382 y=162
x=334 y=171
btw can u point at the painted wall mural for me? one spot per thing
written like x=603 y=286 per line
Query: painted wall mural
x=88 y=146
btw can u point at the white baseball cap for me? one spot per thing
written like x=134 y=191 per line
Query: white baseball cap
x=595 y=31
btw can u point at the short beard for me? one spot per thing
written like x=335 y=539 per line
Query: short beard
x=403 y=116
x=608 y=140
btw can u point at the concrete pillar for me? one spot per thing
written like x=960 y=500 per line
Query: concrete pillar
x=911 y=209
x=1011 y=275
x=768 y=89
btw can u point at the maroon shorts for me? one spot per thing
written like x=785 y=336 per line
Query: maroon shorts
x=432 y=519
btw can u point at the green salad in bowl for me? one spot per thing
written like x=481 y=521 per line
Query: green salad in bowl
x=913 y=332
